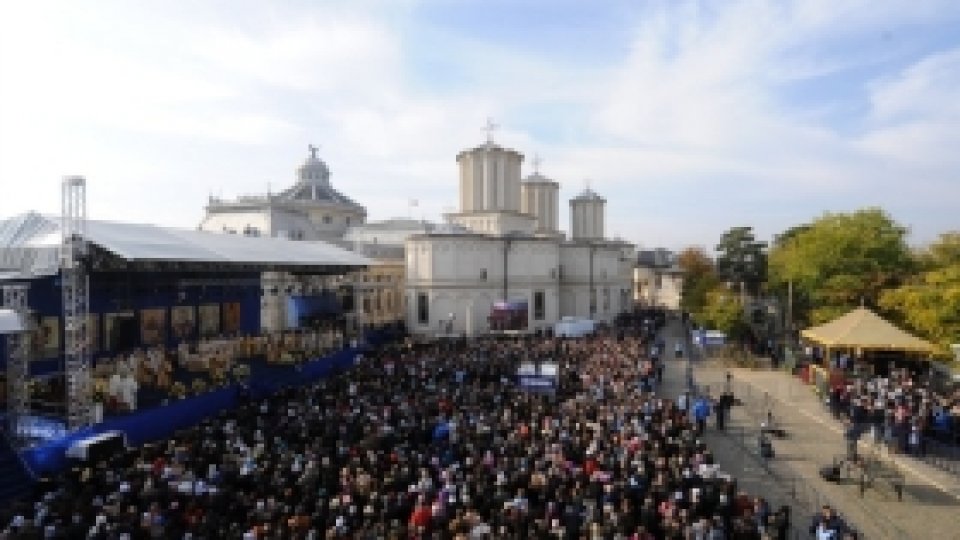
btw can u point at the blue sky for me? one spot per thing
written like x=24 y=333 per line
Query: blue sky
x=690 y=117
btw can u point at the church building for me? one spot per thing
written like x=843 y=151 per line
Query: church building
x=312 y=210
x=502 y=257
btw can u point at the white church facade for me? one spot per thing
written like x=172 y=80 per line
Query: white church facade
x=504 y=245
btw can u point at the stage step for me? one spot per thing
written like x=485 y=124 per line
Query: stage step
x=15 y=482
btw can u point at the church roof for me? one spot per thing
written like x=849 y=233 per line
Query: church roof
x=537 y=178
x=309 y=192
x=313 y=184
x=396 y=224
x=588 y=195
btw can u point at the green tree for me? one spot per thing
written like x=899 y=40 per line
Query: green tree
x=699 y=277
x=723 y=311
x=942 y=253
x=929 y=303
x=840 y=261
x=741 y=259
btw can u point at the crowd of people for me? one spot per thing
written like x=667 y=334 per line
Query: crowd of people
x=433 y=441
x=899 y=410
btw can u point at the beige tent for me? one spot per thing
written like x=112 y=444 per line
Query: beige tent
x=864 y=329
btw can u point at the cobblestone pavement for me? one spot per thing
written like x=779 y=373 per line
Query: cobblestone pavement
x=929 y=509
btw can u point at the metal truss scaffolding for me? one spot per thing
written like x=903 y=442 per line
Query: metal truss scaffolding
x=76 y=304
x=18 y=359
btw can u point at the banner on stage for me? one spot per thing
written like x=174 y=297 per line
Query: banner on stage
x=209 y=320
x=183 y=321
x=110 y=326
x=49 y=337
x=231 y=317
x=93 y=333
x=153 y=326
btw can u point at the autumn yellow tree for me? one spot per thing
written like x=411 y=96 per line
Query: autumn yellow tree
x=929 y=302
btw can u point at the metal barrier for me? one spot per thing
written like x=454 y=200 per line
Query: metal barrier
x=761 y=407
x=942 y=455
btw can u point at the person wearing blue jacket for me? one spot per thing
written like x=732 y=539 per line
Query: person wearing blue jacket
x=701 y=411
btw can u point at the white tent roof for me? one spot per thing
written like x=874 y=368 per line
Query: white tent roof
x=29 y=244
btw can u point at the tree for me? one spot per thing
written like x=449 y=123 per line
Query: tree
x=742 y=260
x=699 y=277
x=929 y=303
x=942 y=253
x=723 y=311
x=840 y=261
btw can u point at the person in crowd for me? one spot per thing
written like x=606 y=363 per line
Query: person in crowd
x=827 y=525
x=435 y=441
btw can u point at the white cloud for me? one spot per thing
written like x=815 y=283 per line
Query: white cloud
x=688 y=134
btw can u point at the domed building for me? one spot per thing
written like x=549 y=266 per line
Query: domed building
x=502 y=263
x=311 y=209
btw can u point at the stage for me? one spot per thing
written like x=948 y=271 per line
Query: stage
x=160 y=422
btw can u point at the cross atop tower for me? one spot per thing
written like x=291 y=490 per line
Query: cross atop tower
x=313 y=151
x=490 y=127
x=536 y=163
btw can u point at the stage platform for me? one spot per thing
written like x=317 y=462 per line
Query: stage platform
x=159 y=422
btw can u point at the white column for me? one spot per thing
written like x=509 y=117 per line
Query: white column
x=501 y=182
x=554 y=209
x=484 y=156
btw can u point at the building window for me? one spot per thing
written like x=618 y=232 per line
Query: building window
x=553 y=273
x=606 y=299
x=347 y=221
x=423 y=308
x=327 y=220
x=366 y=305
x=539 y=306
x=658 y=282
x=483 y=274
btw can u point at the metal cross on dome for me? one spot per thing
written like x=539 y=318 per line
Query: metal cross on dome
x=313 y=150
x=490 y=127
x=537 y=160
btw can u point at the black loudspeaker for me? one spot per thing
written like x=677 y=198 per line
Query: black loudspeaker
x=124 y=335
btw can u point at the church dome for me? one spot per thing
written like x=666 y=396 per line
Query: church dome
x=314 y=170
x=313 y=185
x=588 y=195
